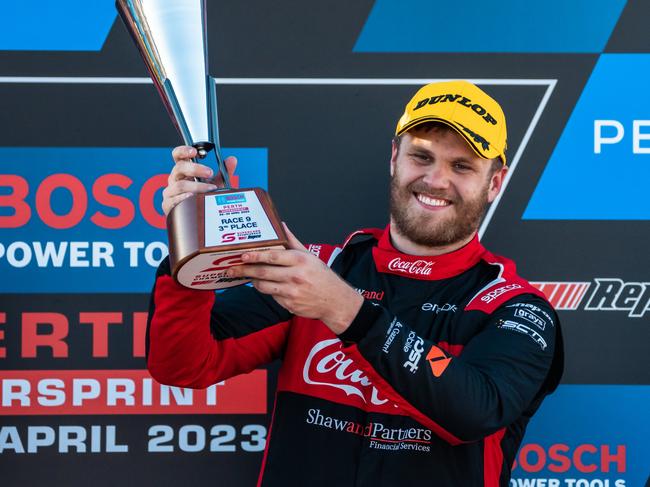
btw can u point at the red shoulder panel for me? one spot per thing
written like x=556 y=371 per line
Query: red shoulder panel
x=506 y=286
x=375 y=232
x=327 y=253
x=324 y=252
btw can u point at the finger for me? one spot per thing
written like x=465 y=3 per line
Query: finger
x=231 y=165
x=260 y=271
x=180 y=190
x=183 y=152
x=272 y=288
x=274 y=257
x=294 y=243
x=186 y=186
x=189 y=170
x=168 y=204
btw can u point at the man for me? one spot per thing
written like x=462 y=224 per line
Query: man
x=411 y=356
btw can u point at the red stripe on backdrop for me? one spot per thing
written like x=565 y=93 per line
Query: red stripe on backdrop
x=563 y=295
x=568 y=290
x=58 y=392
x=569 y=294
x=580 y=295
x=556 y=294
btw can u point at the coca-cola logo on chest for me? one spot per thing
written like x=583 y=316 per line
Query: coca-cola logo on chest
x=327 y=365
x=416 y=267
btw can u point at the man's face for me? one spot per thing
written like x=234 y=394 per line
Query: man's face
x=440 y=188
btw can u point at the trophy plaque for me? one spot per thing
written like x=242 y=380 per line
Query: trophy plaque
x=207 y=232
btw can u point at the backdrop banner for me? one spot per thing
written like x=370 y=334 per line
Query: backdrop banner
x=311 y=93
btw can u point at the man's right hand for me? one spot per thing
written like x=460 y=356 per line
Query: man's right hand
x=181 y=184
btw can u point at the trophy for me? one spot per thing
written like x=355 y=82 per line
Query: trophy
x=207 y=232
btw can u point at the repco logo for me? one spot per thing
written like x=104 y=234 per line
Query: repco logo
x=603 y=294
x=416 y=267
x=462 y=100
x=328 y=366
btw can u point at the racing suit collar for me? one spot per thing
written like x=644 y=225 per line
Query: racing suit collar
x=390 y=260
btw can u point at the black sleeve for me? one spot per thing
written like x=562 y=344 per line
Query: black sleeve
x=498 y=375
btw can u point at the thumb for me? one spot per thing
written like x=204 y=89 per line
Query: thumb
x=294 y=243
x=231 y=165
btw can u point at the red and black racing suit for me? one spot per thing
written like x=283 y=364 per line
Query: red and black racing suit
x=432 y=384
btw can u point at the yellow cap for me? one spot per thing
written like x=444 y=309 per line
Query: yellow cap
x=465 y=108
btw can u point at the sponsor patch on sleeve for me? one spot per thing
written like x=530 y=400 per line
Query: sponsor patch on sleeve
x=392 y=332
x=525 y=330
x=414 y=347
x=438 y=360
x=534 y=312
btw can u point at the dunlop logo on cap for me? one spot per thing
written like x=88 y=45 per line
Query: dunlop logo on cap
x=466 y=108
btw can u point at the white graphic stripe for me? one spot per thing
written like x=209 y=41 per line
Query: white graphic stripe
x=569 y=298
x=580 y=295
x=515 y=160
x=551 y=298
x=279 y=81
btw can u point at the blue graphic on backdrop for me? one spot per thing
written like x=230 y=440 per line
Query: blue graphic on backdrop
x=46 y=25
x=479 y=26
x=87 y=220
x=600 y=168
x=587 y=436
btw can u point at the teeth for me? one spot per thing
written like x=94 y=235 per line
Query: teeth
x=432 y=201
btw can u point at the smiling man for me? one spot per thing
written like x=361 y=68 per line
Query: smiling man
x=411 y=355
x=440 y=189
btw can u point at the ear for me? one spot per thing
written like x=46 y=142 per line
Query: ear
x=496 y=183
x=393 y=158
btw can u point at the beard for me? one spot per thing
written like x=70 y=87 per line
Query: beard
x=433 y=230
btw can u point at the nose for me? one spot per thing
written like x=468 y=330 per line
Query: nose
x=437 y=176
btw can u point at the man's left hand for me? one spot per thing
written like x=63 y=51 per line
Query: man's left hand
x=302 y=284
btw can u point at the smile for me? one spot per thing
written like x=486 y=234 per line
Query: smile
x=427 y=200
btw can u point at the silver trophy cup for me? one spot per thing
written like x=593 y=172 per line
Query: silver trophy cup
x=208 y=232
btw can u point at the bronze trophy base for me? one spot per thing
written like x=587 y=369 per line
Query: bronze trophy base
x=208 y=233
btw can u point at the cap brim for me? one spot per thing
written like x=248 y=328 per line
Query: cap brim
x=491 y=154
